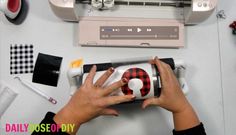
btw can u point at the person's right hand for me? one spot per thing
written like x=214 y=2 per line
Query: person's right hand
x=172 y=97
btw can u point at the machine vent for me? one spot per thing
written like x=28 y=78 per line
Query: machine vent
x=171 y=3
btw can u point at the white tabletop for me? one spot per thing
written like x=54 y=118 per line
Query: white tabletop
x=228 y=60
x=203 y=54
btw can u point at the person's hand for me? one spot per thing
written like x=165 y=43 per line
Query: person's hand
x=92 y=100
x=172 y=97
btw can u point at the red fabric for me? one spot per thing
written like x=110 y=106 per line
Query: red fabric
x=13 y=5
x=139 y=74
x=233 y=25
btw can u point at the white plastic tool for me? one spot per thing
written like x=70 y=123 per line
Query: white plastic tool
x=37 y=91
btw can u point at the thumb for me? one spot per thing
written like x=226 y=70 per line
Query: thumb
x=109 y=111
x=150 y=101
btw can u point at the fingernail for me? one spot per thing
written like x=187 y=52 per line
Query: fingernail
x=94 y=66
x=124 y=80
x=143 y=107
x=111 y=69
x=133 y=97
x=155 y=58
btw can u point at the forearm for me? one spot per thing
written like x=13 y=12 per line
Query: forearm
x=185 y=119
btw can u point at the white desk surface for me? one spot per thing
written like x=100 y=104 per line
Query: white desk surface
x=211 y=93
x=228 y=65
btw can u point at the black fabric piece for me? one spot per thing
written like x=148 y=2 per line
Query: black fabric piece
x=169 y=61
x=100 y=67
x=105 y=66
x=49 y=120
x=157 y=88
x=198 y=130
x=47 y=69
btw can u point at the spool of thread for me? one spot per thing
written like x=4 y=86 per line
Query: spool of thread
x=7 y=96
x=233 y=26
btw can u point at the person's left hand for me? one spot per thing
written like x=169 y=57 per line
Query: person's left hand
x=92 y=100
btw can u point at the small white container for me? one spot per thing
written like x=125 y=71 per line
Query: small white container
x=7 y=96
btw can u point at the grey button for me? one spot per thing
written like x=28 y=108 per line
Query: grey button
x=129 y=29
x=139 y=30
x=199 y=4
x=149 y=30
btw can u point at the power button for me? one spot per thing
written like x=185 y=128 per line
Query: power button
x=205 y=4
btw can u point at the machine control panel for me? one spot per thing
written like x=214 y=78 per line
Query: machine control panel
x=139 y=32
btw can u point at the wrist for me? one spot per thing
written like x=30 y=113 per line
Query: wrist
x=185 y=119
x=66 y=116
x=182 y=107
